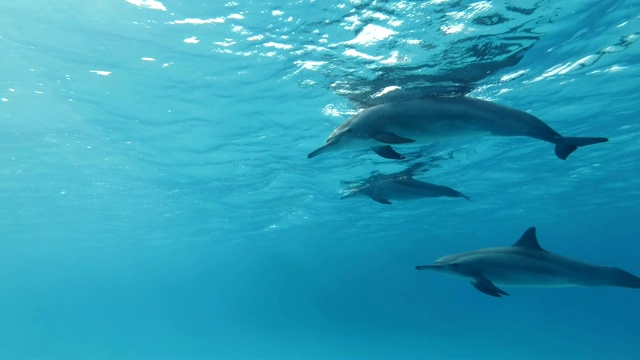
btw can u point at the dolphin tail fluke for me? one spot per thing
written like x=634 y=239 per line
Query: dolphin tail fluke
x=566 y=145
x=456 y=193
x=619 y=277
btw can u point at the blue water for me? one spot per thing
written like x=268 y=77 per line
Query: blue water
x=157 y=202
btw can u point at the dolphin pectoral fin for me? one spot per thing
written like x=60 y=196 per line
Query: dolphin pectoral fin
x=387 y=152
x=485 y=285
x=380 y=199
x=566 y=145
x=391 y=138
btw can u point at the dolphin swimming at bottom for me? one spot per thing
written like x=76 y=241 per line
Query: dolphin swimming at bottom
x=402 y=188
x=527 y=264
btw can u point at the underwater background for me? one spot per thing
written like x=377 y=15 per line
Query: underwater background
x=157 y=202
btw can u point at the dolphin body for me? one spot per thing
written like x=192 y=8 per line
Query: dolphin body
x=436 y=119
x=402 y=188
x=527 y=264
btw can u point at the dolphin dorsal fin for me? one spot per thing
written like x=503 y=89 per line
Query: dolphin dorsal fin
x=529 y=240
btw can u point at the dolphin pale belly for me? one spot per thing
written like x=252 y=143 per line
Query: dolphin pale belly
x=525 y=263
x=402 y=188
x=436 y=119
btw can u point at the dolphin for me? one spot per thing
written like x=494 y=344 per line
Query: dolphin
x=430 y=120
x=526 y=264
x=402 y=188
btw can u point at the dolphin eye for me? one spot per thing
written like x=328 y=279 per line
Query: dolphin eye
x=455 y=265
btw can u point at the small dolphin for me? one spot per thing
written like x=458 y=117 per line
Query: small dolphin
x=402 y=188
x=527 y=264
x=435 y=119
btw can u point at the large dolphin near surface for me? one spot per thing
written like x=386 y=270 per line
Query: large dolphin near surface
x=431 y=120
x=402 y=188
x=527 y=264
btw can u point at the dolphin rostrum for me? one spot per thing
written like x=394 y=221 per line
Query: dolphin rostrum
x=436 y=119
x=402 y=188
x=527 y=264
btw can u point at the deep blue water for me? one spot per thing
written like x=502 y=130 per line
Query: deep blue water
x=157 y=202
